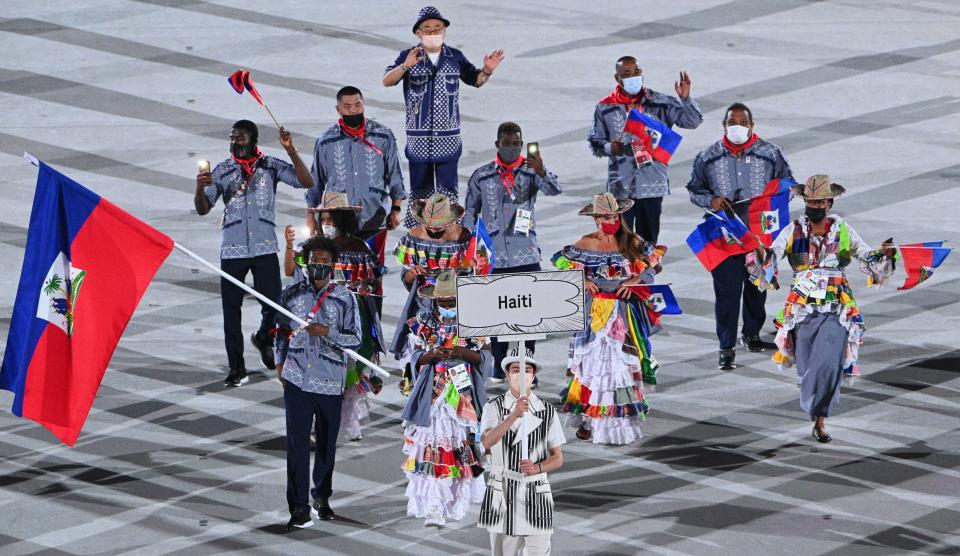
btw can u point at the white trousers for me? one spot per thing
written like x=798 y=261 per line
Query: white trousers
x=527 y=545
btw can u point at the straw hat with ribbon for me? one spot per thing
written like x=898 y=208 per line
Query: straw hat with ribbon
x=436 y=211
x=335 y=200
x=818 y=187
x=445 y=287
x=606 y=204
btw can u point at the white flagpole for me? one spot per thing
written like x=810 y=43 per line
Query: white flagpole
x=524 y=449
x=376 y=368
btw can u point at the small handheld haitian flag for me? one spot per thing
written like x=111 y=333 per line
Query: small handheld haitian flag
x=659 y=297
x=480 y=249
x=86 y=266
x=919 y=260
x=770 y=210
x=719 y=237
x=660 y=140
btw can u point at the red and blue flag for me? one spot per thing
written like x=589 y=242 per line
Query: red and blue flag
x=87 y=264
x=719 y=237
x=480 y=249
x=240 y=80
x=770 y=210
x=659 y=298
x=660 y=140
x=378 y=245
x=919 y=260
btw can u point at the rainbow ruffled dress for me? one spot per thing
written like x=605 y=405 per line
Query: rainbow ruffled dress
x=611 y=360
x=442 y=463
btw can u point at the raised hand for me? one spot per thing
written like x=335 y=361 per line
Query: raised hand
x=492 y=60
x=413 y=57
x=683 y=85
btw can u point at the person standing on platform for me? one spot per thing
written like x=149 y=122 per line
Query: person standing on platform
x=631 y=172
x=311 y=366
x=514 y=528
x=503 y=193
x=358 y=156
x=725 y=177
x=247 y=182
x=431 y=73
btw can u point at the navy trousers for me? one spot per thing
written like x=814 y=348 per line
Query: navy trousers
x=732 y=289
x=643 y=218
x=266 y=280
x=429 y=177
x=307 y=411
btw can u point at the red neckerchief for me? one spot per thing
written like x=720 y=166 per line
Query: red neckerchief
x=506 y=172
x=249 y=165
x=360 y=134
x=737 y=150
x=316 y=307
x=619 y=96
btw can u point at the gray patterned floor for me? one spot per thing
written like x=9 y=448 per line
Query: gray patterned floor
x=125 y=95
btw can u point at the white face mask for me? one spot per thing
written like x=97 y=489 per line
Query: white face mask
x=515 y=381
x=632 y=85
x=432 y=42
x=737 y=134
x=329 y=231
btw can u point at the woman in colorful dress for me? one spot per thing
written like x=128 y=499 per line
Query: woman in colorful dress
x=359 y=270
x=820 y=327
x=437 y=243
x=611 y=359
x=442 y=414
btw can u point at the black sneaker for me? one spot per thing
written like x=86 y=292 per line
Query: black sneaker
x=266 y=352
x=752 y=343
x=727 y=357
x=322 y=505
x=299 y=519
x=237 y=377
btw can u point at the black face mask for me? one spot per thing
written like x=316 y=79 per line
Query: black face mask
x=242 y=152
x=435 y=235
x=509 y=154
x=815 y=215
x=353 y=120
x=319 y=272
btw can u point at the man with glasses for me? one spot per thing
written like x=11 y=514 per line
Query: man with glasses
x=431 y=73
x=247 y=182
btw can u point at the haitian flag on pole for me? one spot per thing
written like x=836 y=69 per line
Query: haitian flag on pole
x=86 y=266
x=719 y=237
x=770 y=210
x=660 y=140
x=481 y=249
x=919 y=260
x=659 y=297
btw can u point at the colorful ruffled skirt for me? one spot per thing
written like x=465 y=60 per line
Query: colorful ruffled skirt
x=442 y=466
x=605 y=393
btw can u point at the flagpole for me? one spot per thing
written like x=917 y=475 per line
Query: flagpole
x=271 y=115
x=376 y=368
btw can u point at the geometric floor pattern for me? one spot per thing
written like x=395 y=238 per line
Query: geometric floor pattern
x=125 y=95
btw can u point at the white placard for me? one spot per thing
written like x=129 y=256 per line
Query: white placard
x=522 y=303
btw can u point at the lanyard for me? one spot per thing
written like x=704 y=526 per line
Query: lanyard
x=316 y=307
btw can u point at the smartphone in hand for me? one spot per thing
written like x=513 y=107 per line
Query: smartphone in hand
x=533 y=149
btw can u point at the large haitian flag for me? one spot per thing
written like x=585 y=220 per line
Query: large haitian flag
x=770 y=210
x=719 y=237
x=86 y=266
x=919 y=260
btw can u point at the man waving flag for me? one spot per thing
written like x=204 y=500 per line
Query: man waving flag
x=86 y=266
